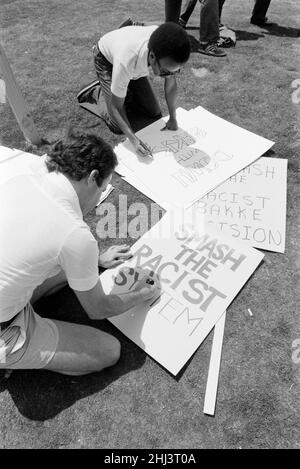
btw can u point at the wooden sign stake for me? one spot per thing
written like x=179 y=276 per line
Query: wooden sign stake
x=17 y=102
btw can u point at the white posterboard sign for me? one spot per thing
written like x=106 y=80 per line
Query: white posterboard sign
x=105 y=194
x=200 y=274
x=187 y=163
x=251 y=205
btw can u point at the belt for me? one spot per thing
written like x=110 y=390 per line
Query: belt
x=5 y=324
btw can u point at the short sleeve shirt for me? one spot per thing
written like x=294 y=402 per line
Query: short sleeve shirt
x=42 y=232
x=127 y=50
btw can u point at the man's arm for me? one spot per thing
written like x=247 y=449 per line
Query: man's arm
x=119 y=113
x=171 y=95
x=98 y=305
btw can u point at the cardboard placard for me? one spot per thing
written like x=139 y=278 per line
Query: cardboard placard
x=187 y=163
x=200 y=274
x=251 y=205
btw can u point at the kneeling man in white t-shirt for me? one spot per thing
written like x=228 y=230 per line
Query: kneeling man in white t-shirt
x=123 y=59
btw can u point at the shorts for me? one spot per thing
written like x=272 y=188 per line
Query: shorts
x=29 y=342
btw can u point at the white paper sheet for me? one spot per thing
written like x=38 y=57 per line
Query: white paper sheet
x=251 y=205
x=171 y=329
x=105 y=194
x=204 y=152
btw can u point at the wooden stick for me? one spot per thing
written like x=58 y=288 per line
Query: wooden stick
x=17 y=102
x=214 y=367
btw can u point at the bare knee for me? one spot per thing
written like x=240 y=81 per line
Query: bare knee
x=108 y=355
x=115 y=351
x=83 y=349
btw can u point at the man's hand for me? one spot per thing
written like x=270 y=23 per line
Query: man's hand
x=149 y=287
x=171 y=125
x=140 y=147
x=114 y=256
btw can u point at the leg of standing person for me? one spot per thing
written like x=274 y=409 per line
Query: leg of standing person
x=221 y=3
x=172 y=10
x=227 y=36
x=259 y=13
x=187 y=12
x=209 y=29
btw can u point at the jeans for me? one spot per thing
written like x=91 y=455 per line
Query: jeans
x=172 y=10
x=260 y=9
x=221 y=3
x=140 y=98
x=190 y=6
x=209 y=18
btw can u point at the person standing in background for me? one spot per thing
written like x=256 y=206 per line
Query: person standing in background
x=209 y=25
x=172 y=10
x=259 y=13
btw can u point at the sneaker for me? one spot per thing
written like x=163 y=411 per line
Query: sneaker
x=88 y=93
x=130 y=22
x=225 y=42
x=89 y=98
x=211 y=49
x=127 y=22
x=227 y=37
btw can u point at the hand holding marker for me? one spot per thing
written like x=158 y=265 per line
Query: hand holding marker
x=147 y=148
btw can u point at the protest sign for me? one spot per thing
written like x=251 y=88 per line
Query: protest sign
x=251 y=205
x=189 y=162
x=200 y=274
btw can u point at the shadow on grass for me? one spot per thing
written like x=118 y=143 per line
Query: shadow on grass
x=41 y=395
x=282 y=31
x=275 y=30
x=138 y=120
x=194 y=43
x=269 y=152
x=246 y=36
x=241 y=36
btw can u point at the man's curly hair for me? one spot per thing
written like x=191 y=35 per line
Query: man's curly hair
x=79 y=153
x=170 y=40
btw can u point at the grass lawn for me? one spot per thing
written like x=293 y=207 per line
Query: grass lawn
x=137 y=404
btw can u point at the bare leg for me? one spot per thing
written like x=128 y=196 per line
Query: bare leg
x=81 y=349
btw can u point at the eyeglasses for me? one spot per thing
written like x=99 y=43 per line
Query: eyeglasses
x=165 y=73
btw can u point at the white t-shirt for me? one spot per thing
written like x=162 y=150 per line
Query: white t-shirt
x=42 y=232
x=127 y=50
